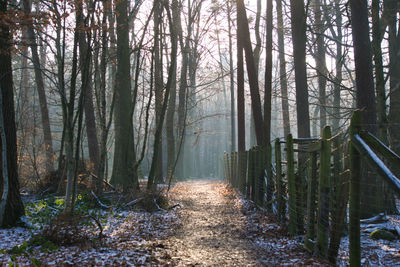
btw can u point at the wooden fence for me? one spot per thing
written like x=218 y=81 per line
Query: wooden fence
x=310 y=184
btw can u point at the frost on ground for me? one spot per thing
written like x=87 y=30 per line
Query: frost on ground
x=374 y=252
x=131 y=238
x=213 y=225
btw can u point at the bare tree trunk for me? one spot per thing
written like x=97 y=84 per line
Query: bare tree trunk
x=339 y=67
x=298 y=21
x=320 y=62
x=365 y=95
x=169 y=124
x=11 y=206
x=171 y=76
x=90 y=118
x=251 y=71
x=380 y=80
x=268 y=76
x=48 y=143
x=240 y=93
x=158 y=81
x=231 y=78
x=282 y=70
x=394 y=69
x=124 y=154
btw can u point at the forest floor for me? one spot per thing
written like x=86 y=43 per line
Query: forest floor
x=210 y=225
x=219 y=228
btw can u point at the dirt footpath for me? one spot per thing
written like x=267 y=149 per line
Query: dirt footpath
x=214 y=228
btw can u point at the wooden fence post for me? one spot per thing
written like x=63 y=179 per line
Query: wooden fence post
x=242 y=163
x=279 y=182
x=324 y=192
x=259 y=176
x=354 y=205
x=311 y=204
x=250 y=171
x=270 y=178
x=235 y=170
x=232 y=168
x=226 y=167
x=291 y=185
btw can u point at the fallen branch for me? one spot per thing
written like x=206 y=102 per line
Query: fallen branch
x=376 y=219
x=133 y=202
x=99 y=225
x=103 y=206
x=158 y=207
x=104 y=181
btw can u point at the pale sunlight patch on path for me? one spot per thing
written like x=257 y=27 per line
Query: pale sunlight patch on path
x=213 y=230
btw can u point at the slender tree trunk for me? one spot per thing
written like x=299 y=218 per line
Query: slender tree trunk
x=380 y=80
x=231 y=77
x=169 y=124
x=338 y=69
x=14 y=207
x=158 y=81
x=171 y=76
x=282 y=70
x=48 y=143
x=268 y=76
x=320 y=62
x=251 y=71
x=90 y=118
x=240 y=92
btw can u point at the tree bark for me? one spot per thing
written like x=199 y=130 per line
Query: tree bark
x=282 y=70
x=320 y=62
x=365 y=95
x=124 y=153
x=241 y=125
x=14 y=207
x=48 y=143
x=171 y=76
x=169 y=123
x=298 y=21
x=90 y=118
x=251 y=71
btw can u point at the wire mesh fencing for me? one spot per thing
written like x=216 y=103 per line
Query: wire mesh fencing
x=314 y=184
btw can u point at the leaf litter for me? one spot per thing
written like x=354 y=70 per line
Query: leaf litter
x=213 y=225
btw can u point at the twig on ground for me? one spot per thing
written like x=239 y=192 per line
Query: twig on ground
x=103 y=206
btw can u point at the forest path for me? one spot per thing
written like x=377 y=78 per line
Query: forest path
x=213 y=230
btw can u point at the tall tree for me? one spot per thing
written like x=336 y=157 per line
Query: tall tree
x=158 y=78
x=365 y=93
x=298 y=21
x=282 y=69
x=240 y=91
x=124 y=149
x=171 y=76
x=320 y=58
x=379 y=77
x=251 y=71
x=392 y=8
x=11 y=207
x=85 y=55
x=231 y=78
x=268 y=75
x=267 y=103
x=47 y=138
x=169 y=123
